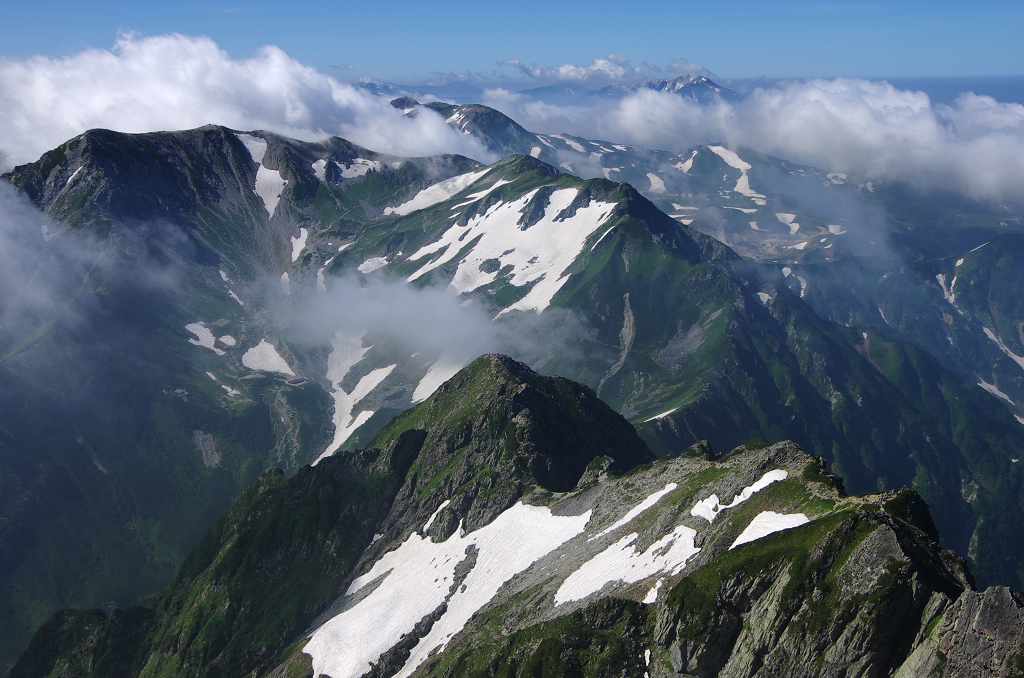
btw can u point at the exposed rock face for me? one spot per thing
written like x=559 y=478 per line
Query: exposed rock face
x=981 y=634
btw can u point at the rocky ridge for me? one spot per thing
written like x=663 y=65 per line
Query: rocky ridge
x=666 y=574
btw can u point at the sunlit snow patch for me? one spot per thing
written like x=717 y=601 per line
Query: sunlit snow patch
x=622 y=562
x=227 y=340
x=418 y=576
x=768 y=522
x=443 y=369
x=371 y=265
x=265 y=357
x=535 y=151
x=709 y=508
x=320 y=169
x=662 y=415
x=538 y=255
x=439 y=192
x=204 y=337
x=637 y=510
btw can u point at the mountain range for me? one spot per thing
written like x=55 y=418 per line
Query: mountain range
x=198 y=306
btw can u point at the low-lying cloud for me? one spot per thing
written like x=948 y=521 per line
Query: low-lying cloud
x=975 y=146
x=871 y=129
x=172 y=82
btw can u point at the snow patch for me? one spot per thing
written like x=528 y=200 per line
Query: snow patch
x=786 y=271
x=803 y=285
x=650 y=599
x=836 y=178
x=227 y=340
x=538 y=256
x=764 y=297
x=709 y=508
x=235 y=297
x=798 y=246
x=204 y=337
x=657 y=185
x=443 y=369
x=575 y=146
x=419 y=574
x=269 y=185
x=621 y=562
x=684 y=167
x=743 y=184
x=430 y=521
x=991 y=388
x=265 y=357
x=360 y=167
x=299 y=244
x=257 y=147
x=320 y=169
x=1003 y=347
x=662 y=415
x=745 y=210
x=835 y=229
x=371 y=265
x=637 y=510
x=766 y=523
x=439 y=192
x=535 y=151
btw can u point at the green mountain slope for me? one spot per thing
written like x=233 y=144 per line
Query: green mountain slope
x=656 y=573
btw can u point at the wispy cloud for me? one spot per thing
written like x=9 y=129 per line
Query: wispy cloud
x=974 y=146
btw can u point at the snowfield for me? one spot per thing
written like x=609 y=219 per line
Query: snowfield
x=637 y=510
x=349 y=350
x=537 y=256
x=265 y=357
x=299 y=244
x=432 y=195
x=269 y=183
x=709 y=508
x=204 y=337
x=743 y=184
x=621 y=562
x=768 y=522
x=416 y=580
x=443 y=369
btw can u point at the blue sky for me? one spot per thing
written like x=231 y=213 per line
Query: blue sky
x=408 y=42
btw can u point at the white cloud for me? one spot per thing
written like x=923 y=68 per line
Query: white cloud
x=871 y=129
x=172 y=82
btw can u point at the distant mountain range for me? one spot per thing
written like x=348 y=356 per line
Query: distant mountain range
x=698 y=88
x=155 y=360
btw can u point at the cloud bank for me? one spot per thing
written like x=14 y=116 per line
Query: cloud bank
x=172 y=82
x=871 y=129
x=868 y=129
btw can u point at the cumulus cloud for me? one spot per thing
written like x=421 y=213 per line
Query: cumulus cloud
x=870 y=129
x=178 y=82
